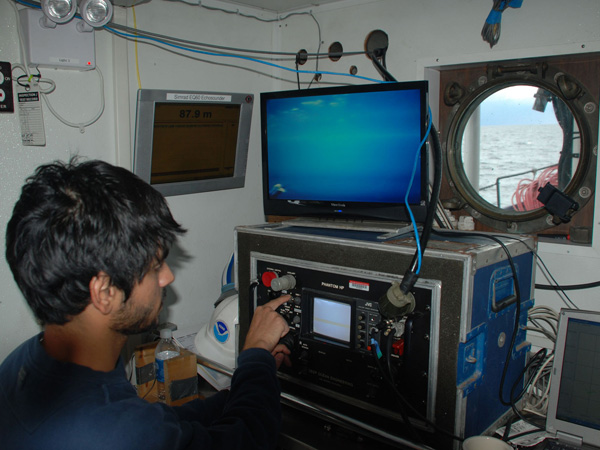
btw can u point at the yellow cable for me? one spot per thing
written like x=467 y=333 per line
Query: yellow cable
x=137 y=65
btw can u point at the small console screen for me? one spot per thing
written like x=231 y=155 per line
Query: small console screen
x=331 y=319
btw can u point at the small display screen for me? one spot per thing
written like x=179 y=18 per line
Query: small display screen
x=579 y=398
x=194 y=141
x=331 y=319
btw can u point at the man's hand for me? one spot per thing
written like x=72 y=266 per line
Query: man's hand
x=267 y=328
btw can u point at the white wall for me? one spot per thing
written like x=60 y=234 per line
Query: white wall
x=76 y=98
x=422 y=34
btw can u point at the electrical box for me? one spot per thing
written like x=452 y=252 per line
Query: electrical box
x=441 y=364
x=63 y=47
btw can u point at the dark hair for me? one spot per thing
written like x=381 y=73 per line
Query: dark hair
x=74 y=220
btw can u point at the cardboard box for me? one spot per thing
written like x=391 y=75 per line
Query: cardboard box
x=181 y=378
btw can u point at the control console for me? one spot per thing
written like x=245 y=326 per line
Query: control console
x=341 y=344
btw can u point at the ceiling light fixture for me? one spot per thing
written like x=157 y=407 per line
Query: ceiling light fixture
x=96 y=13
x=57 y=11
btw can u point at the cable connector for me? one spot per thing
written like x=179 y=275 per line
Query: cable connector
x=396 y=303
x=377 y=349
x=409 y=281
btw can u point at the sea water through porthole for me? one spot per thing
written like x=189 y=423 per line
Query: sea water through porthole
x=509 y=151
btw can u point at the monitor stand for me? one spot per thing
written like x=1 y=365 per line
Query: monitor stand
x=389 y=229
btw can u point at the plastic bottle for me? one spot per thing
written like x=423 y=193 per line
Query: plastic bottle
x=166 y=349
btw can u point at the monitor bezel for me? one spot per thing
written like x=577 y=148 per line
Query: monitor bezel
x=351 y=210
x=144 y=128
x=308 y=327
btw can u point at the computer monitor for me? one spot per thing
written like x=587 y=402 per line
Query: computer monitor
x=346 y=151
x=192 y=141
x=574 y=398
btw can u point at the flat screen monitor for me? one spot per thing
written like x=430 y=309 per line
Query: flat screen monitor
x=188 y=141
x=345 y=151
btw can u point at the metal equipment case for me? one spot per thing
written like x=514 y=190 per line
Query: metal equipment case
x=447 y=360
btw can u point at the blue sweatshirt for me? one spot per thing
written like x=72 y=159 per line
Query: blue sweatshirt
x=46 y=404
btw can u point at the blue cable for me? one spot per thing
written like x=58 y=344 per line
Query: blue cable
x=132 y=36
x=32 y=5
x=377 y=349
x=412 y=177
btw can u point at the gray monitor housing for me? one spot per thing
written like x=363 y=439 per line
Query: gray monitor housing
x=192 y=141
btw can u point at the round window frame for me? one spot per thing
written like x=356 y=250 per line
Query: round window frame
x=464 y=101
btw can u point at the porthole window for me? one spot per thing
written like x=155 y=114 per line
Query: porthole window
x=512 y=131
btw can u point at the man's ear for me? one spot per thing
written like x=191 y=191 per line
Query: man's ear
x=103 y=295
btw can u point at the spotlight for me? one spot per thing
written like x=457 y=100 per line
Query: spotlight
x=96 y=13
x=57 y=11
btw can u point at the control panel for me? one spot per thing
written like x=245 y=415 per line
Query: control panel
x=342 y=346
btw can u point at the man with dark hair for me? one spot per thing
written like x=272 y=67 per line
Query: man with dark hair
x=87 y=244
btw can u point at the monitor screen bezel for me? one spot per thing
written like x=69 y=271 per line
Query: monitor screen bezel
x=144 y=129
x=348 y=209
x=308 y=330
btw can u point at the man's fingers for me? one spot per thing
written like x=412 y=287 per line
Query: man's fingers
x=274 y=304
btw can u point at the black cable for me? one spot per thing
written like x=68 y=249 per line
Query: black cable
x=518 y=302
x=540 y=355
x=507 y=429
x=402 y=401
x=538 y=360
x=524 y=433
x=27 y=86
x=252 y=290
x=380 y=67
x=568 y=287
x=518 y=413
x=389 y=377
x=435 y=193
x=548 y=273
x=149 y=390
x=389 y=338
x=411 y=276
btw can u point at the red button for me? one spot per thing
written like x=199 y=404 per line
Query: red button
x=267 y=277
